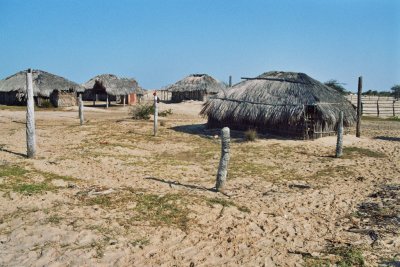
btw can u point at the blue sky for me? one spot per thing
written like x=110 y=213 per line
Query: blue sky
x=159 y=42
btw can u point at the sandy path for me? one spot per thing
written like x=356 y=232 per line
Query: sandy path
x=266 y=219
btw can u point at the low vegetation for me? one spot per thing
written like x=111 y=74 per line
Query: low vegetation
x=145 y=111
x=352 y=152
x=250 y=135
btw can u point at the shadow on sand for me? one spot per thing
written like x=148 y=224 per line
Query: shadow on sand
x=388 y=138
x=175 y=183
x=12 y=152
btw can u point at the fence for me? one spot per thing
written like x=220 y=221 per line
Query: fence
x=381 y=106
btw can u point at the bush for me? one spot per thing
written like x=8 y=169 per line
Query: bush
x=162 y=123
x=250 y=135
x=144 y=112
x=46 y=104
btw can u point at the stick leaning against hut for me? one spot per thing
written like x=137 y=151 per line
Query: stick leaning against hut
x=285 y=103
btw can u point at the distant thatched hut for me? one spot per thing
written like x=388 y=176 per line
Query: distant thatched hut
x=195 y=87
x=46 y=87
x=108 y=87
x=286 y=103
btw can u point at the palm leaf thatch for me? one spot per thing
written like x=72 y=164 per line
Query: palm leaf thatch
x=113 y=85
x=290 y=103
x=44 y=83
x=195 y=87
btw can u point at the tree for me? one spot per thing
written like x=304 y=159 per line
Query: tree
x=396 y=91
x=334 y=84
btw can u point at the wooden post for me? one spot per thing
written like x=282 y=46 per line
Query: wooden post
x=155 y=113
x=30 y=117
x=94 y=100
x=339 y=143
x=230 y=81
x=81 y=119
x=377 y=106
x=225 y=155
x=394 y=112
x=123 y=100
x=106 y=100
x=359 y=113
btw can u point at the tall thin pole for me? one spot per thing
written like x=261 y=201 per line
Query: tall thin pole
x=81 y=119
x=107 y=101
x=155 y=113
x=339 y=143
x=230 y=81
x=358 y=128
x=224 y=161
x=30 y=117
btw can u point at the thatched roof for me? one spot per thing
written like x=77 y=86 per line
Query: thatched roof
x=278 y=98
x=44 y=83
x=114 y=85
x=197 y=82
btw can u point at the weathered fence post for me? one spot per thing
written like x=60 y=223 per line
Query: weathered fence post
x=339 y=143
x=94 y=100
x=225 y=155
x=107 y=101
x=230 y=81
x=394 y=112
x=155 y=113
x=359 y=112
x=81 y=119
x=30 y=117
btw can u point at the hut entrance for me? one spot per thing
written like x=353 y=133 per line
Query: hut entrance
x=310 y=122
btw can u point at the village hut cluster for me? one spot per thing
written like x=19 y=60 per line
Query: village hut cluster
x=289 y=104
x=60 y=92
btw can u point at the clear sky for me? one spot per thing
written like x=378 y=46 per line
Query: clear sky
x=159 y=42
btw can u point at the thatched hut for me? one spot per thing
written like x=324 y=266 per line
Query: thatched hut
x=47 y=87
x=285 y=103
x=108 y=87
x=194 y=87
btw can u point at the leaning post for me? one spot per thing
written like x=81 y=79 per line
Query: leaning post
x=225 y=155
x=339 y=143
x=155 y=113
x=30 y=117
x=359 y=104
x=81 y=119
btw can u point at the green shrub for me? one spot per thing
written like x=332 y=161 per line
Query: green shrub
x=144 y=112
x=250 y=135
x=46 y=104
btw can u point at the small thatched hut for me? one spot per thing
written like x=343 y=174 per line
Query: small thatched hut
x=108 y=87
x=46 y=87
x=285 y=103
x=194 y=87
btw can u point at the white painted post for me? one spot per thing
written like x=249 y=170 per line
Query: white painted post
x=107 y=101
x=124 y=100
x=339 y=143
x=155 y=113
x=223 y=163
x=81 y=119
x=30 y=117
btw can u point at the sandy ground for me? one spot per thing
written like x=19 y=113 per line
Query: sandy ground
x=110 y=194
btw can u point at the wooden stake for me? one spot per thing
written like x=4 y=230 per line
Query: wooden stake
x=94 y=100
x=155 y=114
x=230 y=81
x=30 y=117
x=225 y=155
x=107 y=101
x=339 y=143
x=359 y=113
x=124 y=100
x=81 y=119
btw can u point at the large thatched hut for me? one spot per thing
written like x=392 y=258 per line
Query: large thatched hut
x=285 y=103
x=47 y=87
x=194 y=87
x=108 y=87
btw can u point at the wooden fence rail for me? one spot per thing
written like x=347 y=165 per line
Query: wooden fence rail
x=380 y=106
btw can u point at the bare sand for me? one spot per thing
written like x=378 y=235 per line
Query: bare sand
x=110 y=194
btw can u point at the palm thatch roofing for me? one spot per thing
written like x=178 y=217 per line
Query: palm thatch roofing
x=44 y=83
x=279 y=98
x=114 y=85
x=197 y=82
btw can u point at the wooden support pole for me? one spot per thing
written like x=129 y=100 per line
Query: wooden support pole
x=394 y=112
x=359 y=112
x=123 y=100
x=377 y=106
x=106 y=100
x=230 y=81
x=339 y=143
x=30 y=117
x=224 y=161
x=155 y=114
x=81 y=119
x=94 y=100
